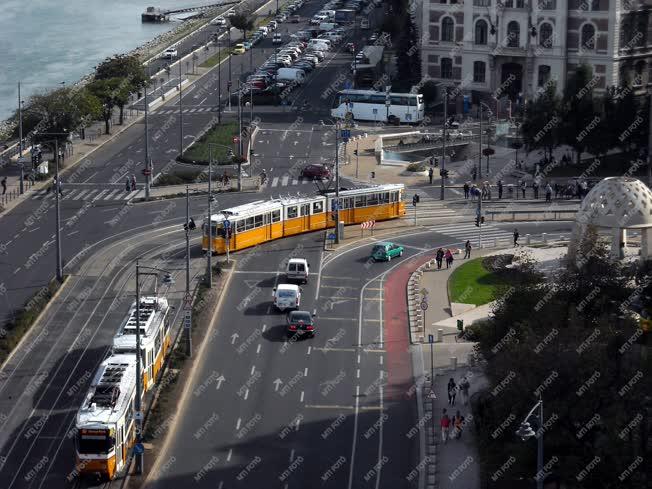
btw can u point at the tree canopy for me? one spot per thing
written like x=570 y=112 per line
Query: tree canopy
x=242 y=21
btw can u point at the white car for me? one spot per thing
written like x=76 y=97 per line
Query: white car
x=277 y=39
x=169 y=53
x=219 y=22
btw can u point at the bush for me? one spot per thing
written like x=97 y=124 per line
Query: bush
x=416 y=167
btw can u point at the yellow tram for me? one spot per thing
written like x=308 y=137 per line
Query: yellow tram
x=105 y=421
x=265 y=220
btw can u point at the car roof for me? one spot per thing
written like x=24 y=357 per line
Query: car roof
x=287 y=287
x=385 y=243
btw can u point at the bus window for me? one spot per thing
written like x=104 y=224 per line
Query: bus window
x=317 y=207
x=220 y=231
x=292 y=212
x=276 y=216
x=394 y=196
x=372 y=199
x=378 y=99
x=384 y=198
x=347 y=203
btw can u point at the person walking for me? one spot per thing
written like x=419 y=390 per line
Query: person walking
x=548 y=193
x=458 y=425
x=516 y=235
x=133 y=182
x=430 y=174
x=452 y=391
x=464 y=388
x=127 y=184
x=439 y=257
x=500 y=189
x=523 y=187
x=467 y=249
x=4 y=185
x=535 y=188
x=444 y=423
x=449 y=258
x=466 y=190
x=473 y=192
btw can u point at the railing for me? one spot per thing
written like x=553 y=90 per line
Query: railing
x=14 y=193
x=539 y=215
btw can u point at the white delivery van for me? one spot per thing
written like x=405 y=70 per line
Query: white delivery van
x=327 y=26
x=291 y=74
x=287 y=296
x=298 y=269
x=321 y=44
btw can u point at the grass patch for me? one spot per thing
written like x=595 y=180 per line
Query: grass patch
x=218 y=134
x=11 y=335
x=216 y=58
x=475 y=283
x=610 y=165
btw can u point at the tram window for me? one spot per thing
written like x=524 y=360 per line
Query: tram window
x=361 y=201
x=249 y=223
x=157 y=343
x=258 y=221
x=240 y=226
x=394 y=196
x=372 y=199
x=384 y=198
x=292 y=212
x=266 y=219
x=305 y=209
x=317 y=207
x=347 y=203
x=276 y=216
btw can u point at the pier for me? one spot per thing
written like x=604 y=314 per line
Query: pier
x=156 y=14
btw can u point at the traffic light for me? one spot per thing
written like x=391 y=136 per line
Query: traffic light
x=443 y=173
x=415 y=200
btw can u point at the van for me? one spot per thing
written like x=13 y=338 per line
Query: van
x=298 y=269
x=291 y=74
x=287 y=296
x=321 y=44
x=327 y=26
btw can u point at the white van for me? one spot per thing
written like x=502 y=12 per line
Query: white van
x=298 y=269
x=291 y=74
x=287 y=296
x=321 y=44
x=329 y=13
x=327 y=26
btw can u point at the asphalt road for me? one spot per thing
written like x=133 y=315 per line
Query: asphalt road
x=318 y=412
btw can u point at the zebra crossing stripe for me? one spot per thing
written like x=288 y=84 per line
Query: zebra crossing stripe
x=132 y=194
x=110 y=195
x=274 y=182
x=121 y=195
x=97 y=197
x=304 y=180
x=284 y=182
x=294 y=181
x=80 y=194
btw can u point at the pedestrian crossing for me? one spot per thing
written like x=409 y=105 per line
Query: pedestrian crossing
x=489 y=233
x=92 y=195
x=287 y=180
x=189 y=110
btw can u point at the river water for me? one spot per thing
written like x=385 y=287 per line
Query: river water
x=46 y=42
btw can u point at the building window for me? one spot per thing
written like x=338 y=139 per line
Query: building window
x=520 y=3
x=482 y=3
x=544 y=75
x=479 y=69
x=588 y=37
x=509 y=3
x=446 y=68
x=447 y=29
x=545 y=35
x=481 y=29
x=548 y=4
x=513 y=34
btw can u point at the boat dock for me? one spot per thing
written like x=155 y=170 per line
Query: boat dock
x=156 y=14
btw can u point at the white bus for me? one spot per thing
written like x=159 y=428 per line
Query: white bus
x=369 y=105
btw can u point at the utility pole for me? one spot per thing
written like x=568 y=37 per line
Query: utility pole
x=357 y=154
x=649 y=148
x=443 y=151
x=337 y=184
x=139 y=379
x=480 y=146
x=188 y=329
x=229 y=84
x=209 y=254
x=20 y=128
x=58 y=211
x=180 y=114
x=479 y=218
x=219 y=81
x=240 y=150
x=147 y=165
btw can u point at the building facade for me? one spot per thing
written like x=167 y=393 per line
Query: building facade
x=498 y=48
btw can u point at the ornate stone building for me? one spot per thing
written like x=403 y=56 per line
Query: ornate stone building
x=492 y=48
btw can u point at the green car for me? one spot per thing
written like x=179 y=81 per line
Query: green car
x=386 y=251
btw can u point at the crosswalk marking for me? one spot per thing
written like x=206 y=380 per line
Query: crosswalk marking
x=110 y=195
x=80 y=194
x=274 y=182
x=294 y=181
x=132 y=194
x=77 y=194
x=284 y=182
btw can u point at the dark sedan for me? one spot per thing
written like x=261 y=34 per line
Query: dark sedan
x=316 y=171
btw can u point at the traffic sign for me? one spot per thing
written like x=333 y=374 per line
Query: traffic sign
x=345 y=133
x=431 y=338
x=331 y=236
x=147 y=172
x=139 y=448
x=226 y=223
x=424 y=305
x=138 y=416
x=187 y=321
x=187 y=302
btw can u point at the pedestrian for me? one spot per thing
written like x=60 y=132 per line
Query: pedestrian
x=458 y=424
x=466 y=190
x=4 y=185
x=464 y=387
x=516 y=235
x=523 y=186
x=473 y=192
x=535 y=188
x=57 y=186
x=445 y=424
x=500 y=189
x=225 y=178
x=452 y=391
x=488 y=191
x=133 y=182
x=474 y=173
x=439 y=257
x=557 y=189
x=548 y=193
x=430 y=174
x=449 y=258
x=467 y=249
x=127 y=184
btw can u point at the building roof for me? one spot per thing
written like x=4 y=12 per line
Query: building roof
x=152 y=314
x=617 y=202
x=110 y=393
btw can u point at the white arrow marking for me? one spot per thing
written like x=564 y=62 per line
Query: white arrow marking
x=335 y=302
x=277 y=383
x=234 y=337
x=220 y=379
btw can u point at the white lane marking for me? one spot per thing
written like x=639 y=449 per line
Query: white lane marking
x=292 y=455
x=100 y=195
x=237 y=424
x=305 y=372
x=381 y=359
x=246 y=394
x=17 y=270
x=253 y=369
x=111 y=194
x=89 y=177
x=264 y=327
x=309 y=349
x=358 y=358
x=228 y=457
x=380 y=437
x=200 y=103
x=258 y=349
x=274 y=182
x=357 y=374
x=284 y=182
x=80 y=194
x=295 y=181
x=355 y=433
x=302 y=394
x=298 y=423
x=74 y=232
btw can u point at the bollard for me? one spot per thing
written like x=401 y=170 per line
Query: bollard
x=453 y=363
x=544 y=237
x=439 y=336
x=527 y=239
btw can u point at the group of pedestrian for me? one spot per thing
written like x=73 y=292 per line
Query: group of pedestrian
x=56 y=186
x=451 y=428
x=442 y=255
x=130 y=183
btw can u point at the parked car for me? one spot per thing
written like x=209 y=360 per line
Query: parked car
x=300 y=323
x=295 y=19
x=316 y=171
x=291 y=74
x=169 y=53
x=272 y=25
x=219 y=22
x=247 y=45
x=386 y=251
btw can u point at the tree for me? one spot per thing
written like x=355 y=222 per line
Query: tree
x=579 y=117
x=244 y=22
x=540 y=128
x=429 y=89
x=126 y=67
x=563 y=339
x=109 y=92
x=601 y=139
x=627 y=118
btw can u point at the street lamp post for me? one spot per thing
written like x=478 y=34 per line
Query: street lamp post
x=230 y=78
x=147 y=165
x=649 y=148
x=525 y=431
x=180 y=112
x=337 y=184
x=443 y=150
x=20 y=127
x=480 y=145
x=219 y=81
x=209 y=253
x=189 y=333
